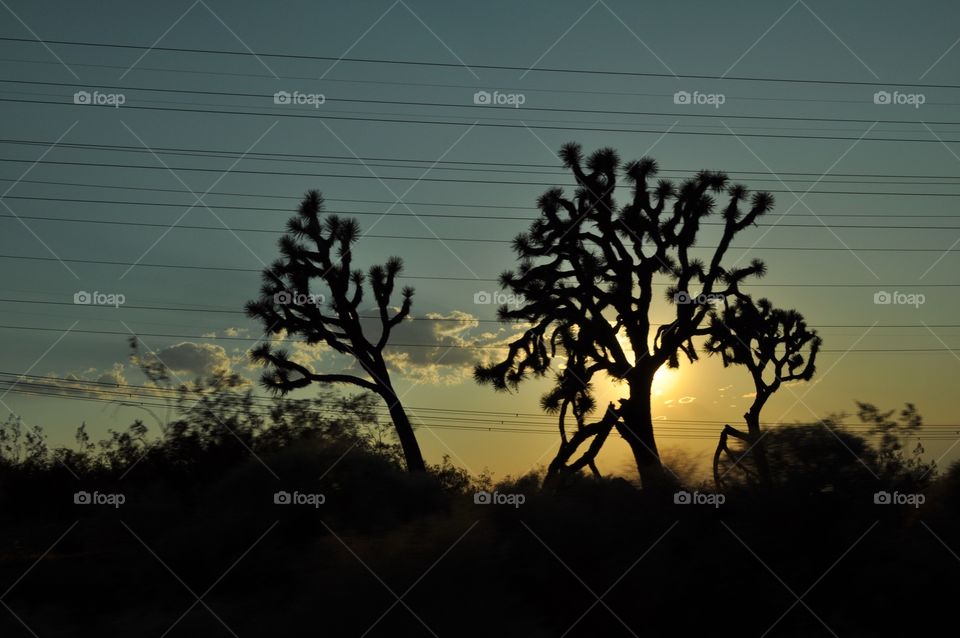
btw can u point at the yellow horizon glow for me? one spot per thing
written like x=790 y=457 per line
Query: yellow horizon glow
x=610 y=390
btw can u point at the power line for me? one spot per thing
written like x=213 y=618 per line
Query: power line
x=240 y=229
x=442 y=85
x=149 y=404
x=440 y=278
x=539 y=419
x=408 y=345
x=496 y=182
x=687 y=128
x=176 y=392
x=358 y=201
x=537 y=415
x=465 y=424
x=463 y=428
x=259 y=195
x=458 y=165
x=123 y=393
x=388 y=61
x=166 y=392
x=666 y=429
x=449 y=319
x=578 y=129
x=494 y=107
x=290 y=212
x=229 y=338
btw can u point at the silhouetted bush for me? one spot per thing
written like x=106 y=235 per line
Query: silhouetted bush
x=198 y=500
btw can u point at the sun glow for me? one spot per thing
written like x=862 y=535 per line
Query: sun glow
x=664 y=388
x=664 y=381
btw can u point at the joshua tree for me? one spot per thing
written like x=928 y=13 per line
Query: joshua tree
x=770 y=343
x=318 y=251
x=586 y=276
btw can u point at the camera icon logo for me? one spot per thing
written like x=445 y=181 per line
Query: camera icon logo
x=82 y=297
x=81 y=97
x=482 y=498
x=482 y=298
x=881 y=498
x=682 y=97
x=882 y=97
x=281 y=97
x=283 y=298
x=81 y=498
x=482 y=97
x=281 y=498
x=682 y=498
x=882 y=297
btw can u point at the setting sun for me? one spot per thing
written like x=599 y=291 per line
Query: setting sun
x=664 y=380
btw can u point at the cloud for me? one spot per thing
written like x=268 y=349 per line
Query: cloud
x=90 y=383
x=113 y=375
x=191 y=359
x=308 y=354
x=186 y=362
x=441 y=348
x=227 y=332
x=458 y=350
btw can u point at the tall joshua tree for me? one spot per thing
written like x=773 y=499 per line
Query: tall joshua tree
x=586 y=274
x=770 y=343
x=316 y=253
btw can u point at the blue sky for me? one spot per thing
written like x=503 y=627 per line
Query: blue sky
x=851 y=51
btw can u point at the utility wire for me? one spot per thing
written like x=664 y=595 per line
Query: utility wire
x=492 y=67
x=448 y=346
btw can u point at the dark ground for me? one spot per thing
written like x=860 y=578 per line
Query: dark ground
x=585 y=559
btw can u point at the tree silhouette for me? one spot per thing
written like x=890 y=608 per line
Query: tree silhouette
x=770 y=343
x=289 y=303
x=586 y=280
x=893 y=463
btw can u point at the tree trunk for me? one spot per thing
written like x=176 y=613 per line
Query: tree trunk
x=599 y=431
x=637 y=428
x=401 y=422
x=759 y=449
x=408 y=440
x=721 y=448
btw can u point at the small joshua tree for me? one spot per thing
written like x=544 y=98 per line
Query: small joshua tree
x=770 y=343
x=316 y=252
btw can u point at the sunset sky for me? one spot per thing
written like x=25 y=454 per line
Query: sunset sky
x=182 y=179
